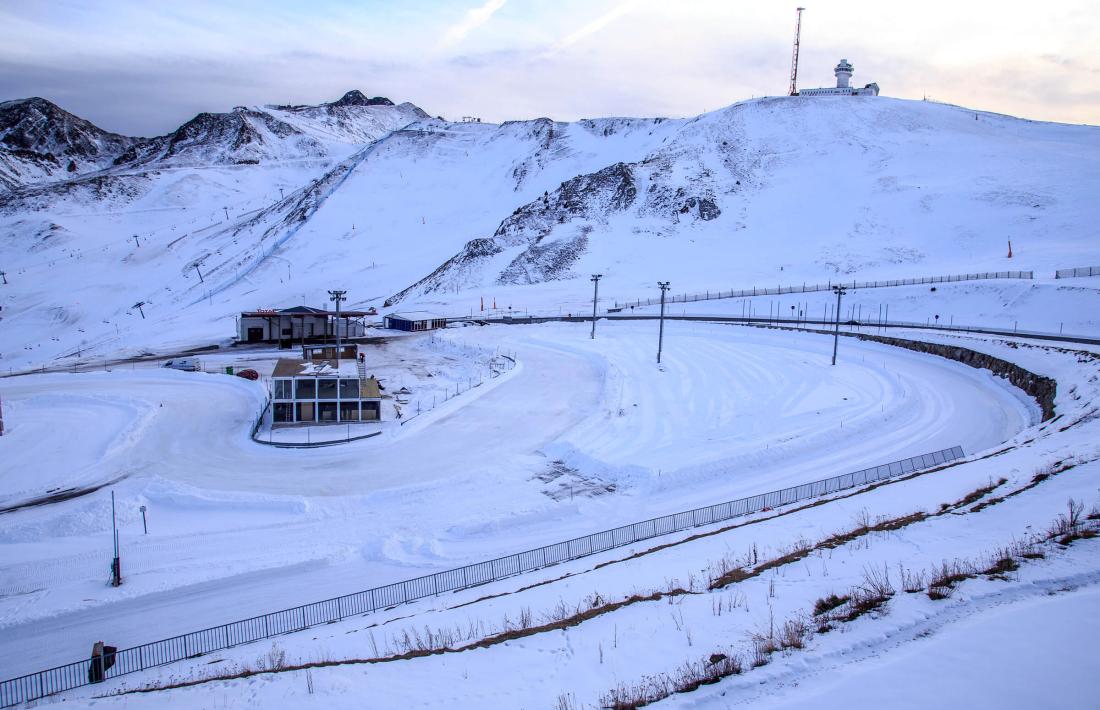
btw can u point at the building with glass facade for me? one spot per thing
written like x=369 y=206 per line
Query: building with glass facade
x=323 y=392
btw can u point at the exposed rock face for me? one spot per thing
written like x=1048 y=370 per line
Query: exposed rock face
x=241 y=136
x=537 y=226
x=41 y=141
x=357 y=98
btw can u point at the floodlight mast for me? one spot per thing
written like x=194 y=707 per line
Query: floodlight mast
x=595 y=294
x=337 y=296
x=794 y=56
x=663 y=285
x=840 y=291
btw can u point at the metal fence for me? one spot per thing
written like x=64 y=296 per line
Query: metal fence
x=828 y=286
x=1077 y=272
x=73 y=675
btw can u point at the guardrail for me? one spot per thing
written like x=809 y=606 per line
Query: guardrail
x=828 y=286
x=131 y=660
x=1077 y=272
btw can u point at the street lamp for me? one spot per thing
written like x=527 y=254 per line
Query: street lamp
x=840 y=291
x=595 y=293
x=663 y=285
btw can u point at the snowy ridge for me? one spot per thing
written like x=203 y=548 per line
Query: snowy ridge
x=253 y=135
x=40 y=142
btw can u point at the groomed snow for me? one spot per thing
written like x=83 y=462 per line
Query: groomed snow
x=583 y=435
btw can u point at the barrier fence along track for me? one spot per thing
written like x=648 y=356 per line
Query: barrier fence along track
x=812 y=288
x=74 y=675
x=1077 y=272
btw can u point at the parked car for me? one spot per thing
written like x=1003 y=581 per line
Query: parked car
x=249 y=374
x=187 y=364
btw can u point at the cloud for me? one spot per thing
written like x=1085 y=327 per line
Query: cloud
x=474 y=18
x=594 y=26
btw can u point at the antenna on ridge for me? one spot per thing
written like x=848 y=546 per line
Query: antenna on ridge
x=794 y=57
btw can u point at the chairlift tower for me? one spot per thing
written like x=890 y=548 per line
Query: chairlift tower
x=793 y=91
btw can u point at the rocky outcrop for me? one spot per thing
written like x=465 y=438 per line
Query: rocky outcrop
x=40 y=141
x=591 y=198
x=358 y=98
x=240 y=136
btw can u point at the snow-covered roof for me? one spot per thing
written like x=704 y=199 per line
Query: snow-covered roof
x=415 y=315
x=287 y=367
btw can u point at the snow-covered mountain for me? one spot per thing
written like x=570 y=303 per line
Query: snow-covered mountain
x=40 y=141
x=274 y=205
x=253 y=135
x=827 y=186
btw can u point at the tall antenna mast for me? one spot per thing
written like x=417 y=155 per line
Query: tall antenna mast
x=794 y=57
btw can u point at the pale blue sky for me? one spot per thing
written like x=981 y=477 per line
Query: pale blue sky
x=145 y=67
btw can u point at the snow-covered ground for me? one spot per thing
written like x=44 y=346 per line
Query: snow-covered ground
x=580 y=434
x=650 y=637
x=730 y=412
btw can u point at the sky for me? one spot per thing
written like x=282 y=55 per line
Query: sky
x=144 y=68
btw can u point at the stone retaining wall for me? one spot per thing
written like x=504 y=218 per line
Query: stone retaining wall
x=1043 y=389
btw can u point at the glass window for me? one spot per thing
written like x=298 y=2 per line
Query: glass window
x=307 y=389
x=283 y=412
x=349 y=411
x=370 y=411
x=305 y=412
x=349 y=389
x=326 y=389
x=326 y=412
x=284 y=389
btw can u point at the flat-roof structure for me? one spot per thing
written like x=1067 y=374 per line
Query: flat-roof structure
x=414 y=321
x=299 y=324
x=323 y=392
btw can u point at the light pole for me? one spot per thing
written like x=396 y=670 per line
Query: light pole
x=595 y=294
x=137 y=241
x=116 y=564
x=226 y=213
x=337 y=296
x=840 y=291
x=663 y=285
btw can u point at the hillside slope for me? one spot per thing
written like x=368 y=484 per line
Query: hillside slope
x=272 y=206
x=813 y=188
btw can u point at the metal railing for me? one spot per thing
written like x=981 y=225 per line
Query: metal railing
x=1077 y=272
x=828 y=286
x=131 y=660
